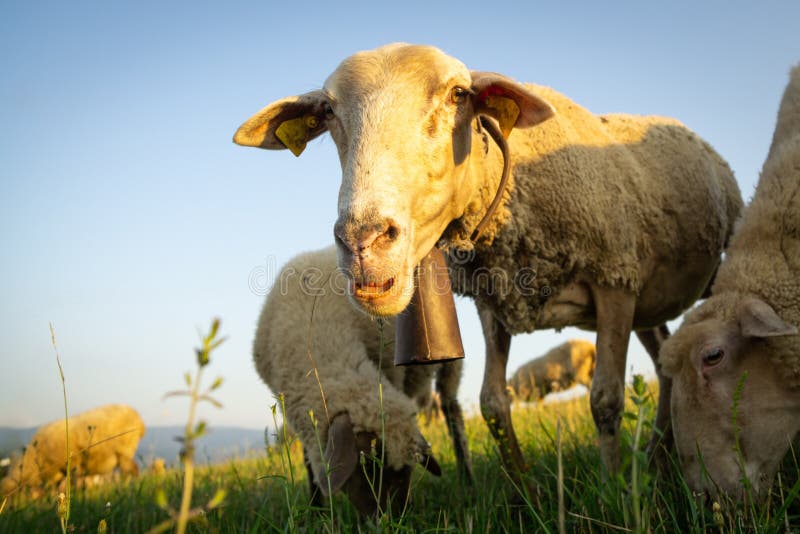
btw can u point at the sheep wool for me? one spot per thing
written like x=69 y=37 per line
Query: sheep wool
x=561 y=368
x=763 y=258
x=325 y=357
x=593 y=197
x=101 y=439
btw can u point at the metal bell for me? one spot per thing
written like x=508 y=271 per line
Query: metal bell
x=427 y=330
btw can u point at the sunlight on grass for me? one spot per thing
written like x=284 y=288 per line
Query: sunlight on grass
x=265 y=494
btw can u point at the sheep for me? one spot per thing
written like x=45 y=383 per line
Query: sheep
x=100 y=440
x=735 y=360
x=326 y=358
x=561 y=368
x=610 y=223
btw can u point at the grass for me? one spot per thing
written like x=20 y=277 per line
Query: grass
x=270 y=493
x=62 y=506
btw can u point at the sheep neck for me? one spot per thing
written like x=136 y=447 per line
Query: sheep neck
x=482 y=182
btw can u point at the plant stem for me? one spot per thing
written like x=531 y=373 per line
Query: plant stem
x=188 y=458
x=562 y=519
x=65 y=517
x=637 y=513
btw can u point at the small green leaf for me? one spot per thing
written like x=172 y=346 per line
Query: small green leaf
x=200 y=429
x=210 y=399
x=217 y=383
x=217 y=499
x=214 y=329
x=202 y=357
x=188 y=379
x=216 y=344
x=639 y=386
x=177 y=394
x=161 y=499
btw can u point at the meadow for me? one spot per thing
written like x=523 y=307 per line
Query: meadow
x=269 y=493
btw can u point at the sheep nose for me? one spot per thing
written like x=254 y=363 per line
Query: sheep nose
x=360 y=237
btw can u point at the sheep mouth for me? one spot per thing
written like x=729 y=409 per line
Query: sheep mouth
x=381 y=295
x=372 y=290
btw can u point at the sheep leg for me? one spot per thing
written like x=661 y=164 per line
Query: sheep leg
x=495 y=401
x=313 y=489
x=614 y=310
x=662 y=431
x=127 y=466
x=448 y=378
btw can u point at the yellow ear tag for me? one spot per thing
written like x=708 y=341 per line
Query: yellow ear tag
x=294 y=134
x=506 y=112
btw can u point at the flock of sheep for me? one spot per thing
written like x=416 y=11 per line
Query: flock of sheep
x=619 y=223
x=612 y=223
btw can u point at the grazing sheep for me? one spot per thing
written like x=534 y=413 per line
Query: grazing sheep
x=614 y=224
x=739 y=351
x=561 y=368
x=322 y=354
x=100 y=440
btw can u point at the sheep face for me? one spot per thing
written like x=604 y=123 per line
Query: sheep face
x=733 y=415
x=402 y=119
x=363 y=484
x=344 y=454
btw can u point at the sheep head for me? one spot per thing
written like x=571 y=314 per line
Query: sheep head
x=402 y=119
x=344 y=453
x=734 y=413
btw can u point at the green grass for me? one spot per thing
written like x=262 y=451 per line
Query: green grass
x=264 y=496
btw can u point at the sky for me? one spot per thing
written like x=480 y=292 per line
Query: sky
x=128 y=218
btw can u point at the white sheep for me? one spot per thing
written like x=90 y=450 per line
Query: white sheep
x=735 y=360
x=101 y=440
x=322 y=354
x=559 y=369
x=612 y=223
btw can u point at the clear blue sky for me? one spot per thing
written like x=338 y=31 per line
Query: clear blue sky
x=128 y=219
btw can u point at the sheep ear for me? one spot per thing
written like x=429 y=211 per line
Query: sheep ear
x=341 y=454
x=425 y=456
x=431 y=465
x=510 y=103
x=758 y=319
x=288 y=123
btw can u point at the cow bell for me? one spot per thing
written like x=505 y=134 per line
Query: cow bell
x=427 y=330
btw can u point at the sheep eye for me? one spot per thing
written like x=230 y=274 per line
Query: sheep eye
x=328 y=112
x=713 y=357
x=458 y=95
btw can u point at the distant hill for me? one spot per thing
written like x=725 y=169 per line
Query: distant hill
x=12 y=439
x=221 y=443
